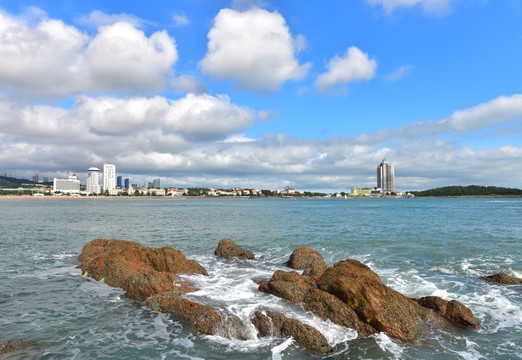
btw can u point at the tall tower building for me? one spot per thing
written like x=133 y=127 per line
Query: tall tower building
x=119 y=182
x=109 y=177
x=385 y=176
x=93 y=181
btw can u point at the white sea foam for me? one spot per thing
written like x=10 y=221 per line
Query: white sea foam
x=278 y=350
x=387 y=344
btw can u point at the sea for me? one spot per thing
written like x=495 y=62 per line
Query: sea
x=418 y=247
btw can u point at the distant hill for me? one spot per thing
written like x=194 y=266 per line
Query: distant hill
x=11 y=182
x=471 y=190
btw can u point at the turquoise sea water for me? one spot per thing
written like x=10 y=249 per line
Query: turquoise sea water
x=418 y=247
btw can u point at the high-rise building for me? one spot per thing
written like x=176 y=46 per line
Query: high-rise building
x=109 y=177
x=93 y=181
x=36 y=178
x=385 y=175
x=127 y=182
x=71 y=185
x=119 y=182
x=156 y=183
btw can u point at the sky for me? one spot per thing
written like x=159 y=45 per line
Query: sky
x=264 y=94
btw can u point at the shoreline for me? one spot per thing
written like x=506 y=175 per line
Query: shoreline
x=102 y=197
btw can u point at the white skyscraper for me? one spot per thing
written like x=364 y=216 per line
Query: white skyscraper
x=109 y=177
x=93 y=181
x=385 y=175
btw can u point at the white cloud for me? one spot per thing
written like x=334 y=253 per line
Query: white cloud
x=53 y=59
x=98 y=18
x=399 y=73
x=354 y=66
x=254 y=48
x=180 y=20
x=437 y=7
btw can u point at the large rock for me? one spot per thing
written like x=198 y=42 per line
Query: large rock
x=139 y=270
x=278 y=325
x=374 y=303
x=289 y=285
x=227 y=249
x=454 y=311
x=150 y=275
x=328 y=306
x=307 y=259
x=296 y=288
x=502 y=278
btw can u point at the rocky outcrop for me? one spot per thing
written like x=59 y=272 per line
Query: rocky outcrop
x=502 y=278
x=150 y=275
x=228 y=249
x=352 y=295
x=454 y=311
x=296 y=288
x=15 y=345
x=307 y=259
x=277 y=325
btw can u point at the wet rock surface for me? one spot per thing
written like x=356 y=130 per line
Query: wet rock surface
x=150 y=275
x=307 y=259
x=349 y=294
x=15 y=345
x=502 y=278
x=278 y=325
x=454 y=311
x=228 y=249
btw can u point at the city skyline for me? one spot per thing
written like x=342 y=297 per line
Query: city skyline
x=264 y=94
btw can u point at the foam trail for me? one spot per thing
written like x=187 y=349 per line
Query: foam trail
x=277 y=350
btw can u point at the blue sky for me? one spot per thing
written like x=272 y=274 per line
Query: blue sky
x=264 y=94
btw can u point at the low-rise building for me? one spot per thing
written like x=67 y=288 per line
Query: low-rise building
x=71 y=185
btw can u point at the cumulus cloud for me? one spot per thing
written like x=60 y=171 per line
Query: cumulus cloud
x=353 y=66
x=56 y=59
x=254 y=48
x=436 y=7
x=98 y=18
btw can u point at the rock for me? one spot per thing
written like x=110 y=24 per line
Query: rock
x=374 y=303
x=227 y=249
x=502 y=278
x=201 y=318
x=15 y=345
x=307 y=259
x=328 y=306
x=278 y=325
x=289 y=285
x=454 y=311
x=137 y=269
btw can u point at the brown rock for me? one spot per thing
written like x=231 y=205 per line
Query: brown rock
x=307 y=259
x=374 y=303
x=454 y=311
x=289 y=285
x=227 y=249
x=278 y=325
x=328 y=306
x=15 y=345
x=502 y=278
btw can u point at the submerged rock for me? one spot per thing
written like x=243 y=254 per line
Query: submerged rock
x=454 y=311
x=15 y=345
x=502 y=278
x=278 y=325
x=227 y=249
x=307 y=259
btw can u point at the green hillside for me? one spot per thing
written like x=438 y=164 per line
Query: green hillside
x=471 y=190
